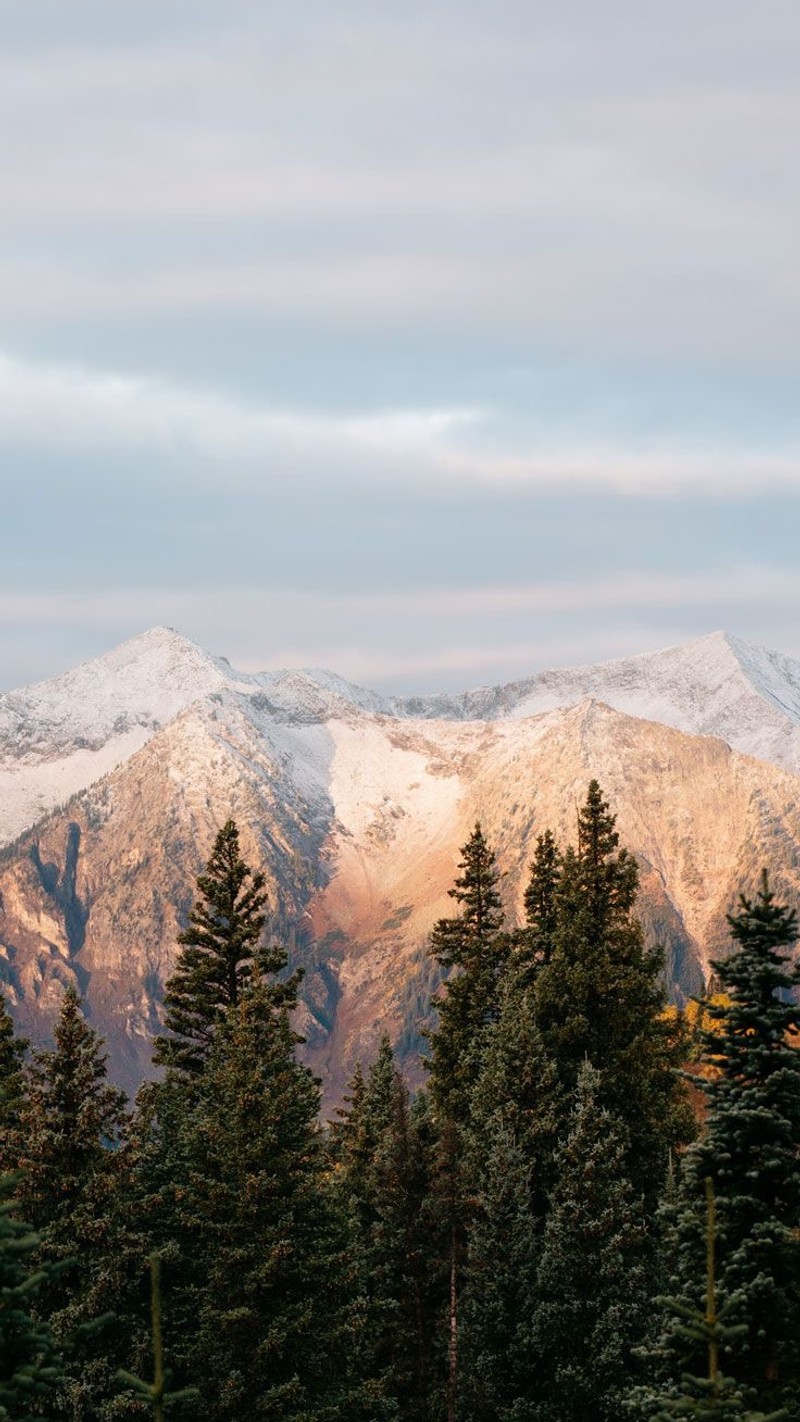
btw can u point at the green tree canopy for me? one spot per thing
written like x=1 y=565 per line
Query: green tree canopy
x=219 y=947
x=30 y=1369
x=750 y=1150
x=601 y=997
x=471 y=943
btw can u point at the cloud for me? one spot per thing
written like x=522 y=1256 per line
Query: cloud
x=410 y=640
x=726 y=591
x=55 y=406
x=435 y=450
x=644 y=472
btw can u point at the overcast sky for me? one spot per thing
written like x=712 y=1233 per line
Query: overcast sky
x=431 y=343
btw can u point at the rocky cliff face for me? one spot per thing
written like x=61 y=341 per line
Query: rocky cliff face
x=356 y=810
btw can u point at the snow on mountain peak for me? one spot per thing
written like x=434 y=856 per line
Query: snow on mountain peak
x=60 y=735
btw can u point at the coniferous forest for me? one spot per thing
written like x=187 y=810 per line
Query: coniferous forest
x=591 y=1211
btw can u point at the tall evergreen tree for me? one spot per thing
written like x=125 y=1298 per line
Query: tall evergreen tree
x=535 y=943
x=518 y=1093
x=406 y=1282
x=712 y=1397
x=71 y=1122
x=383 y=1151
x=473 y=945
x=750 y=1150
x=12 y=1053
x=30 y=1369
x=594 y=1280
x=266 y=1301
x=357 y=1135
x=601 y=997
x=219 y=945
x=500 y=1367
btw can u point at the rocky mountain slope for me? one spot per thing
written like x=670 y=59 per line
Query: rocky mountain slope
x=355 y=806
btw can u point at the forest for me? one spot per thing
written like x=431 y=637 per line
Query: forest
x=590 y=1212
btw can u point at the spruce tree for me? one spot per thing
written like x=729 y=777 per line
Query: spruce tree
x=12 y=1053
x=601 y=997
x=712 y=1397
x=750 y=1150
x=500 y=1367
x=30 y=1368
x=595 y=1275
x=219 y=946
x=534 y=944
x=519 y=1093
x=405 y=1290
x=473 y=945
x=266 y=1301
x=383 y=1152
x=356 y=1136
x=70 y=1124
x=473 y=948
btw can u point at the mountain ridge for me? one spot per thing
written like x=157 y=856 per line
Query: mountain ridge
x=57 y=736
x=356 y=814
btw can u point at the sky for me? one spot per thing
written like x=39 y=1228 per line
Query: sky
x=434 y=344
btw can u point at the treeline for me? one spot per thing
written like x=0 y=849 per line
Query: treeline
x=543 y=1234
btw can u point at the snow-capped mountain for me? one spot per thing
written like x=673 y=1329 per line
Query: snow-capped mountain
x=355 y=805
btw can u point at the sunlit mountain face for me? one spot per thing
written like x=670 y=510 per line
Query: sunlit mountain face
x=115 y=777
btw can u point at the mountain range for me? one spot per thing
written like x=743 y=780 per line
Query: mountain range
x=115 y=777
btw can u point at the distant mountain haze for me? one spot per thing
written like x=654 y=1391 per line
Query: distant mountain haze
x=115 y=777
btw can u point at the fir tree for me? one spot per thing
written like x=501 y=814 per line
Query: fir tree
x=713 y=1397
x=601 y=997
x=472 y=944
x=750 y=1150
x=450 y=1207
x=534 y=944
x=156 y=1392
x=594 y=1278
x=219 y=947
x=71 y=1120
x=519 y=1093
x=383 y=1154
x=405 y=1290
x=12 y=1053
x=357 y=1134
x=347 y=1140
x=500 y=1368
x=266 y=1299
x=30 y=1368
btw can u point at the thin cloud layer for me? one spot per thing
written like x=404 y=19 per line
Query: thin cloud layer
x=56 y=407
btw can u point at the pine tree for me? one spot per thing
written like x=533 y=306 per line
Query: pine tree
x=356 y=1136
x=347 y=1143
x=383 y=1154
x=594 y=1279
x=266 y=1301
x=601 y=997
x=406 y=1285
x=750 y=1150
x=158 y=1391
x=471 y=943
x=219 y=946
x=517 y=1111
x=713 y=1397
x=519 y=1093
x=500 y=1370
x=71 y=1122
x=30 y=1369
x=12 y=1053
x=535 y=943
